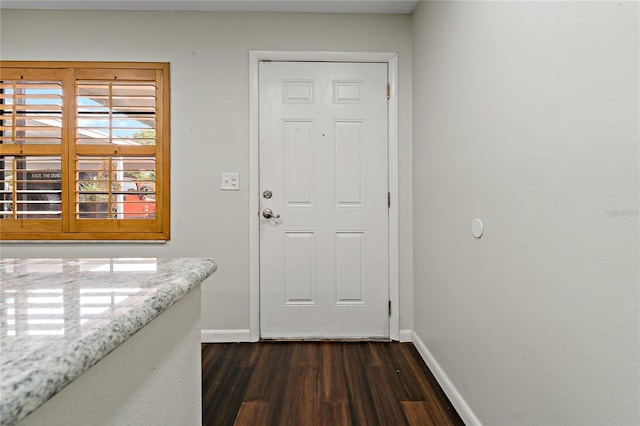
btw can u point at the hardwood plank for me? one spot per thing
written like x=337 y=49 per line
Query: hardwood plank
x=254 y=353
x=269 y=369
x=224 y=385
x=419 y=413
x=361 y=404
x=333 y=386
x=407 y=386
x=253 y=413
x=335 y=414
x=213 y=358
x=309 y=354
x=224 y=407
x=301 y=405
x=389 y=410
x=270 y=378
x=429 y=386
x=372 y=353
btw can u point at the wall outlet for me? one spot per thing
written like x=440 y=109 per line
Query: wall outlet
x=230 y=182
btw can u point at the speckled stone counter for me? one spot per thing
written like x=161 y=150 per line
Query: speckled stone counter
x=59 y=317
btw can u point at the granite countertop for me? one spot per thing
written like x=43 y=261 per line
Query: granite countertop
x=58 y=317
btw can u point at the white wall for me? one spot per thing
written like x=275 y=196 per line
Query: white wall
x=526 y=116
x=209 y=88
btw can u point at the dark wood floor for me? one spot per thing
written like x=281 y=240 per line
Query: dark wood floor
x=320 y=383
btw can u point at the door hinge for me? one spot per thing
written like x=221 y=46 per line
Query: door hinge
x=388 y=200
x=388 y=91
x=389 y=307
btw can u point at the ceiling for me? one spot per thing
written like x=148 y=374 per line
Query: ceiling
x=309 y=6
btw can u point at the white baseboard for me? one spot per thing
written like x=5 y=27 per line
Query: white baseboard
x=224 y=336
x=405 y=335
x=461 y=406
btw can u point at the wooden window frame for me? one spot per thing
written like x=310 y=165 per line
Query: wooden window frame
x=70 y=226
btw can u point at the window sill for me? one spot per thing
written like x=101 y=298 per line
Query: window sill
x=83 y=242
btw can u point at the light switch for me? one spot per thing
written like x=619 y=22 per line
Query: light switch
x=230 y=182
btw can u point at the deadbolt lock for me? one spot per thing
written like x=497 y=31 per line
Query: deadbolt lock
x=267 y=194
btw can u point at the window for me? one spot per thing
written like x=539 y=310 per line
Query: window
x=84 y=151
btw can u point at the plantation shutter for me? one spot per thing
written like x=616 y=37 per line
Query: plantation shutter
x=84 y=151
x=31 y=140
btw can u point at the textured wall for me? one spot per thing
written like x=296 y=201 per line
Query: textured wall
x=210 y=121
x=526 y=116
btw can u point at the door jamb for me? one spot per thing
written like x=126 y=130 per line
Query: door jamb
x=391 y=59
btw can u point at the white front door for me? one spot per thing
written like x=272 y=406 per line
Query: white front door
x=324 y=268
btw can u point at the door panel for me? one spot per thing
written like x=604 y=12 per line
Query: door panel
x=324 y=157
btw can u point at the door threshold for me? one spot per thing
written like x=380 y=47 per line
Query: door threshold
x=324 y=339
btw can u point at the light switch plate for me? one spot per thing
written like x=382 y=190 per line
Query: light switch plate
x=230 y=182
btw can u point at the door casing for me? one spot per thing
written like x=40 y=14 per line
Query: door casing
x=255 y=56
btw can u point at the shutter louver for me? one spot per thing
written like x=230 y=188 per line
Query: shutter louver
x=116 y=112
x=31 y=187
x=116 y=188
x=31 y=112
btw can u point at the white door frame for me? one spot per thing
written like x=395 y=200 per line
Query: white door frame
x=255 y=56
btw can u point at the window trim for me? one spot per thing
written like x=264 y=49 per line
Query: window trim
x=157 y=230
